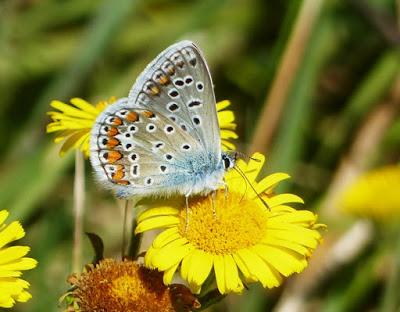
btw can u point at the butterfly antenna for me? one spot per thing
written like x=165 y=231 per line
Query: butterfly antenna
x=252 y=187
x=243 y=155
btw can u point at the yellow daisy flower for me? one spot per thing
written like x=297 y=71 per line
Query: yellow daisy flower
x=227 y=125
x=126 y=286
x=374 y=195
x=243 y=241
x=73 y=123
x=12 y=262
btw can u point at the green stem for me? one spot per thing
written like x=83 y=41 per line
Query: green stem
x=391 y=296
x=210 y=298
x=79 y=201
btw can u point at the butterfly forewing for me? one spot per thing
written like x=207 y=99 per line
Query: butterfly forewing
x=178 y=85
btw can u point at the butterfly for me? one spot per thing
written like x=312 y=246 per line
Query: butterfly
x=164 y=138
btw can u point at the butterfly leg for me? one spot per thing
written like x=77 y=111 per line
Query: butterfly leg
x=187 y=210
x=213 y=199
x=226 y=189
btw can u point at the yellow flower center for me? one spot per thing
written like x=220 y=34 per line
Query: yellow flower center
x=224 y=224
x=126 y=288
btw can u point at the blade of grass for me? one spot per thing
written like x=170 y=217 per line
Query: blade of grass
x=286 y=73
x=290 y=141
x=371 y=89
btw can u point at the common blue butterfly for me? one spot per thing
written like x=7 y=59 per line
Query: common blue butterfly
x=164 y=138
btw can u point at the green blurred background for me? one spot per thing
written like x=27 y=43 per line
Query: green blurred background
x=330 y=67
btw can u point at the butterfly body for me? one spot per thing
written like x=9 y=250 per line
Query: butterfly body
x=163 y=138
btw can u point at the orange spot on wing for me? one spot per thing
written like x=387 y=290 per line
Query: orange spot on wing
x=113 y=156
x=171 y=70
x=112 y=132
x=117 y=121
x=112 y=142
x=164 y=80
x=118 y=174
x=154 y=90
x=132 y=116
x=122 y=182
x=148 y=114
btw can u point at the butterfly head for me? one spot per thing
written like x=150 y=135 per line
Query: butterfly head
x=229 y=159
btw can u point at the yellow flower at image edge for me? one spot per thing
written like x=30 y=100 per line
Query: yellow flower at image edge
x=12 y=262
x=126 y=286
x=73 y=123
x=243 y=242
x=374 y=195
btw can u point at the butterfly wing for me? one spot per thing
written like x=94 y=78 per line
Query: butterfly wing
x=135 y=151
x=178 y=84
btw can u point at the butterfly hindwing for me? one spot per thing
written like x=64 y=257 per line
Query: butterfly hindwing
x=138 y=149
x=178 y=85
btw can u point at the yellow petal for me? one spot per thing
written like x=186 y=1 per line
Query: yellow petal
x=283 y=199
x=270 y=181
x=156 y=222
x=219 y=269
x=12 y=232
x=69 y=110
x=171 y=254
x=258 y=268
x=200 y=268
x=223 y=104
x=283 y=261
x=12 y=253
x=232 y=280
x=85 y=106
x=155 y=212
x=3 y=216
x=20 y=264
x=169 y=274
x=166 y=237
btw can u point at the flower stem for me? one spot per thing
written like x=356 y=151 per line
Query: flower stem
x=124 y=228
x=210 y=298
x=391 y=295
x=79 y=200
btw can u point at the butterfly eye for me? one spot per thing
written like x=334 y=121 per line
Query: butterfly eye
x=227 y=162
